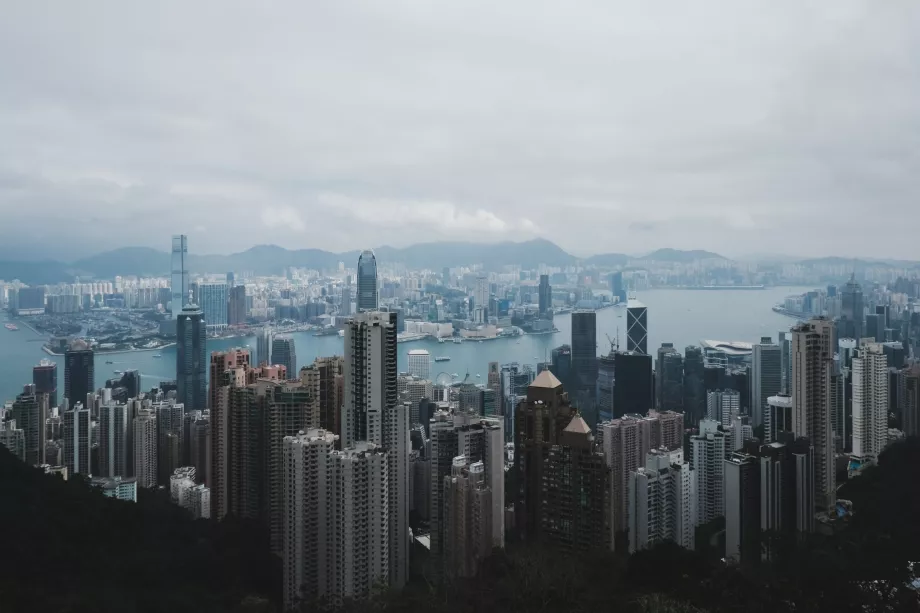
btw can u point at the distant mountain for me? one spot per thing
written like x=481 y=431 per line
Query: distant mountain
x=35 y=273
x=140 y=261
x=607 y=260
x=678 y=255
x=857 y=262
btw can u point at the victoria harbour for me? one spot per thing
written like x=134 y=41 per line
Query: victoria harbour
x=676 y=316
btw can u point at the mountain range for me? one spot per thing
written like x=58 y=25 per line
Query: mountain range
x=272 y=260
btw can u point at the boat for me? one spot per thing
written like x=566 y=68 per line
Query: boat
x=10 y=327
x=478 y=376
x=440 y=340
x=442 y=358
x=455 y=375
x=109 y=362
x=118 y=372
x=158 y=355
x=458 y=340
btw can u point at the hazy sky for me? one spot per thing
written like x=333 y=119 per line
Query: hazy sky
x=738 y=126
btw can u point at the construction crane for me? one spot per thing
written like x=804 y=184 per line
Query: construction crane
x=614 y=346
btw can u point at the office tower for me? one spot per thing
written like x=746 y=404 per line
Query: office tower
x=539 y=422
x=481 y=299
x=709 y=450
x=77 y=429
x=79 y=372
x=191 y=360
x=367 y=281
x=766 y=377
x=372 y=412
x=221 y=362
x=633 y=384
x=852 y=311
x=606 y=373
x=468 y=518
x=785 y=347
x=617 y=288
x=212 y=298
x=661 y=500
x=13 y=438
x=284 y=354
x=494 y=382
x=777 y=418
x=477 y=440
x=179 y=286
x=113 y=432
x=742 y=508
x=721 y=406
x=694 y=386
x=741 y=431
x=324 y=379
x=44 y=377
x=874 y=328
x=336 y=516
x=420 y=363
x=787 y=473
x=561 y=364
x=665 y=349
x=870 y=403
x=412 y=390
x=670 y=379
x=909 y=399
x=545 y=293
x=170 y=422
x=30 y=410
x=236 y=309
x=584 y=355
x=264 y=339
x=812 y=367
x=515 y=380
x=636 y=327
x=145 y=448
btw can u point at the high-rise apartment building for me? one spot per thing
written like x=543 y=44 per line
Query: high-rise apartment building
x=852 y=312
x=709 y=450
x=324 y=379
x=722 y=406
x=236 y=309
x=284 y=353
x=79 y=372
x=545 y=295
x=661 y=501
x=625 y=442
x=367 y=281
x=30 y=410
x=909 y=399
x=114 y=430
x=812 y=368
x=870 y=403
x=44 y=377
x=145 y=448
x=766 y=377
x=468 y=518
x=179 y=286
x=481 y=299
x=191 y=360
x=478 y=440
x=420 y=363
x=264 y=339
x=372 y=412
x=787 y=494
x=221 y=362
x=742 y=508
x=13 y=439
x=77 y=434
x=636 y=327
x=335 y=518
x=170 y=423
x=213 y=299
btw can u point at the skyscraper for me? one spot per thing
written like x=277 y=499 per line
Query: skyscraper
x=213 y=300
x=787 y=473
x=191 y=360
x=545 y=293
x=481 y=299
x=367 y=281
x=625 y=441
x=777 y=418
x=766 y=377
x=870 y=403
x=670 y=380
x=221 y=362
x=285 y=354
x=633 y=386
x=264 y=339
x=236 y=310
x=722 y=406
x=114 y=429
x=420 y=363
x=812 y=368
x=44 y=376
x=617 y=288
x=179 y=286
x=468 y=518
x=584 y=361
x=79 y=372
x=661 y=500
x=709 y=449
x=170 y=423
x=30 y=410
x=852 y=310
x=561 y=364
x=372 y=412
x=742 y=508
x=145 y=448
x=694 y=385
x=636 y=327
x=324 y=380
x=335 y=518
x=909 y=399
x=77 y=430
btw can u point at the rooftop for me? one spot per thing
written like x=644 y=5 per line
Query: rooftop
x=578 y=425
x=547 y=380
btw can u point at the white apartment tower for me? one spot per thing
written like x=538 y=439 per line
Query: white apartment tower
x=661 y=503
x=870 y=402
x=336 y=518
x=371 y=412
x=625 y=442
x=721 y=406
x=710 y=448
x=145 y=448
x=420 y=363
x=77 y=430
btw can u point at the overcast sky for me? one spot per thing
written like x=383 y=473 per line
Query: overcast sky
x=737 y=126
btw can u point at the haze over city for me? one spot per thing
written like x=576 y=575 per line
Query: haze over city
x=603 y=126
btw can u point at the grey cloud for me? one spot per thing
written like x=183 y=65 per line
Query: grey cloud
x=713 y=124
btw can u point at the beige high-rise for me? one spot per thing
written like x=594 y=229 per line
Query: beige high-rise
x=812 y=367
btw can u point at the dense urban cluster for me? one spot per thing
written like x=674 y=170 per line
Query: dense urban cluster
x=364 y=480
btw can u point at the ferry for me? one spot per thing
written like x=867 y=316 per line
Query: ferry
x=442 y=358
x=109 y=362
x=478 y=376
x=118 y=372
x=10 y=327
x=455 y=375
x=158 y=355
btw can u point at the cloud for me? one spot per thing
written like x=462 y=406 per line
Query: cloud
x=713 y=124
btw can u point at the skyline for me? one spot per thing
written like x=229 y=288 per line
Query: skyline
x=716 y=125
